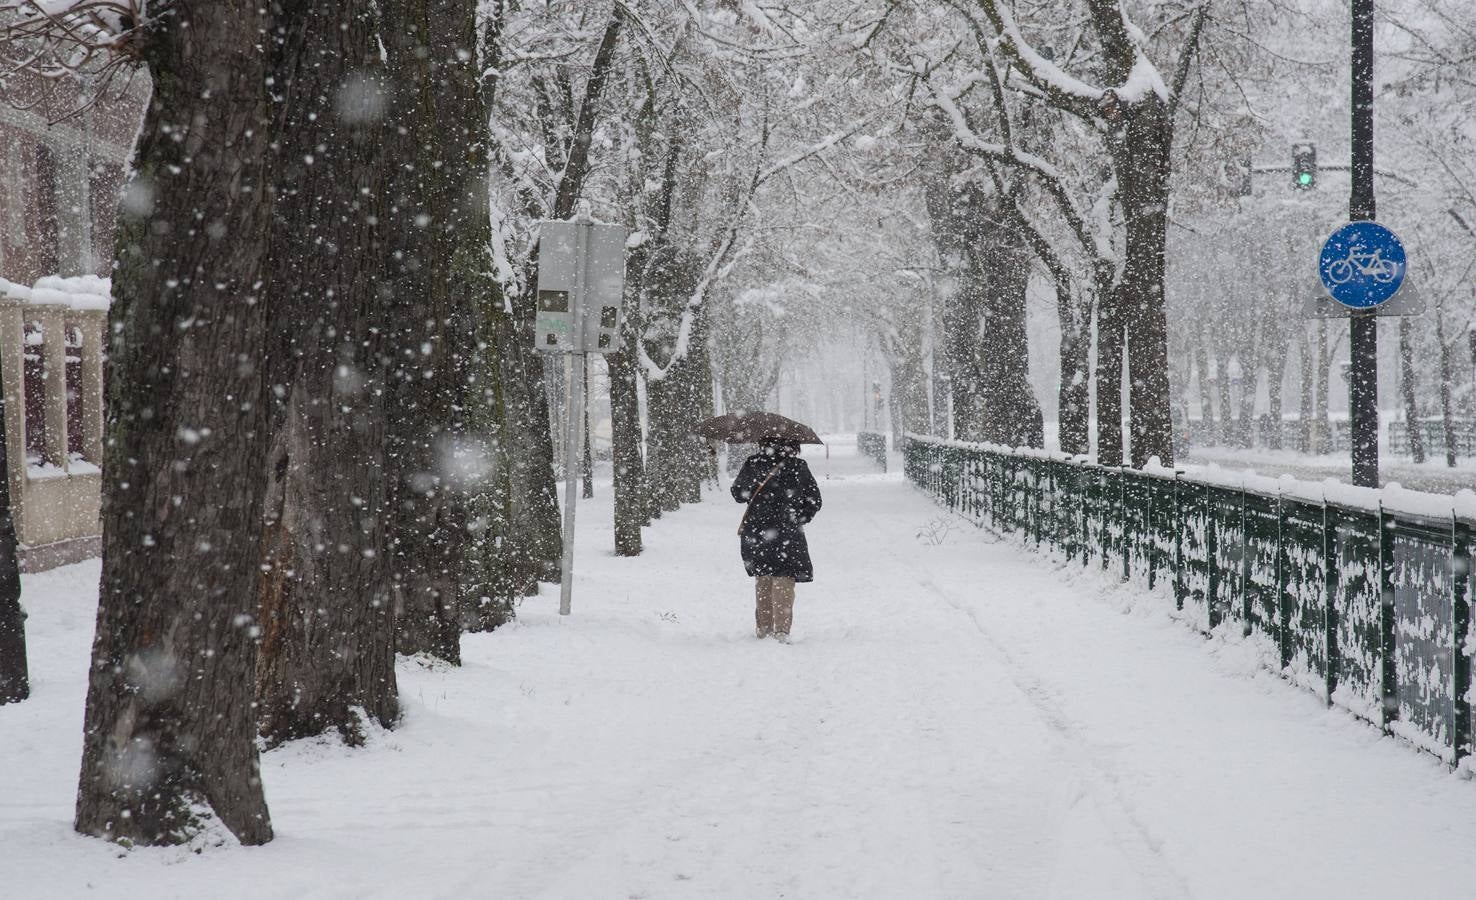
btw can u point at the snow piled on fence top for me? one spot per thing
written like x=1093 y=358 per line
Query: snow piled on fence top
x=82 y=292
x=1392 y=498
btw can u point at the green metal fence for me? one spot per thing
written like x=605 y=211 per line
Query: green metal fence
x=873 y=445
x=1363 y=598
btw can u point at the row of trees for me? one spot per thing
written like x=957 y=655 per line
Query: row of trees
x=327 y=431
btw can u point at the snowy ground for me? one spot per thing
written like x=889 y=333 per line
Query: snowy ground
x=954 y=719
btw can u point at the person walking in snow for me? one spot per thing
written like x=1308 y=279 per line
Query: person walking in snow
x=782 y=498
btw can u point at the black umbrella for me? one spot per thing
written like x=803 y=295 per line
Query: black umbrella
x=757 y=428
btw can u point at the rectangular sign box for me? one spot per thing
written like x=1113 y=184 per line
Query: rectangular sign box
x=581 y=287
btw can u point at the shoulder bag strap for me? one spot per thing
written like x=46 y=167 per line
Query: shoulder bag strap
x=756 y=491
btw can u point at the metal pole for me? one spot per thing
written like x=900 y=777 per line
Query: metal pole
x=573 y=433
x=1363 y=383
x=574 y=422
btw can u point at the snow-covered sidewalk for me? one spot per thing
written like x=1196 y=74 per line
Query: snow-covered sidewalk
x=956 y=718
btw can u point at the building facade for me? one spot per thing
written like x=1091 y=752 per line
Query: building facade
x=61 y=177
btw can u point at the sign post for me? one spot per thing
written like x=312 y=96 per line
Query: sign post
x=581 y=285
x=1363 y=387
x=1363 y=268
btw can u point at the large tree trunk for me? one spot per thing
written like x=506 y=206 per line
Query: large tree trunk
x=326 y=615
x=170 y=724
x=1141 y=161
x=1074 y=398
x=676 y=457
x=538 y=540
x=436 y=456
x=1411 y=403
x=909 y=398
x=679 y=458
x=1110 y=340
x=963 y=317
x=625 y=440
x=1012 y=415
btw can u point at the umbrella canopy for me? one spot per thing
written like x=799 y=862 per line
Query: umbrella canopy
x=756 y=428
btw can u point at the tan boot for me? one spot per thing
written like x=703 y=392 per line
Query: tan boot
x=763 y=615
x=783 y=599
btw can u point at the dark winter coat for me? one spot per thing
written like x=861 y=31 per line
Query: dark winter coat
x=772 y=537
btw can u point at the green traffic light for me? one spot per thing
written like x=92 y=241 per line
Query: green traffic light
x=1304 y=178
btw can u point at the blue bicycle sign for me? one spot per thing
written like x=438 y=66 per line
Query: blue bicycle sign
x=1362 y=265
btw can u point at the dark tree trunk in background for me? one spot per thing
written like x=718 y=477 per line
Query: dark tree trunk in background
x=328 y=639
x=1206 y=401
x=1012 y=415
x=679 y=458
x=1408 y=386
x=15 y=683
x=1447 y=407
x=1306 y=390
x=625 y=441
x=1275 y=383
x=1140 y=150
x=1222 y=395
x=676 y=457
x=963 y=318
x=1074 y=397
x=1322 y=423
x=909 y=397
x=529 y=442
x=170 y=723
x=1110 y=340
x=438 y=380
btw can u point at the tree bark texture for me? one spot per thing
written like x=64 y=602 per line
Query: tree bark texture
x=1011 y=414
x=328 y=640
x=1275 y=387
x=15 y=682
x=676 y=457
x=1408 y=386
x=1306 y=389
x=625 y=441
x=1321 y=421
x=1140 y=153
x=439 y=329
x=1074 y=397
x=1110 y=339
x=170 y=727
x=1447 y=407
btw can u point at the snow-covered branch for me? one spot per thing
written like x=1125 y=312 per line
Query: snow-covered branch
x=91 y=40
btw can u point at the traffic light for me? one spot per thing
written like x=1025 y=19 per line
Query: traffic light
x=1304 y=166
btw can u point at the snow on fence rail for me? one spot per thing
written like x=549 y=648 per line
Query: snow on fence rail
x=873 y=445
x=1360 y=595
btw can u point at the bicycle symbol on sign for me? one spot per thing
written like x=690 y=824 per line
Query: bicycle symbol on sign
x=1372 y=265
